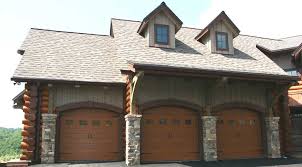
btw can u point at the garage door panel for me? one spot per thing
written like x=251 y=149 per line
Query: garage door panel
x=170 y=134
x=239 y=134
x=89 y=134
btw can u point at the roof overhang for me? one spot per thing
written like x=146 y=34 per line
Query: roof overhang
x=221 y=17
x=18 y=100
x=60 y=81
x=161 y=8
x=20 y=51
x=182 y=71
x=275 y=52
x=297 y=52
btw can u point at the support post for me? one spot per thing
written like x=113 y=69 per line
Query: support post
x=209 y=138
x=48 y=138
x=132 y=139
x=272 y=137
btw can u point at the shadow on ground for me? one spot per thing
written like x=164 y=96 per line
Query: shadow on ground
x=247 y=163
x=282 y=162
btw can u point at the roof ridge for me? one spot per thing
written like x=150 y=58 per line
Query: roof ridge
x=290 y=36
x=191 y=28
x=113 y=18
x=41 y=29
x=261 y=37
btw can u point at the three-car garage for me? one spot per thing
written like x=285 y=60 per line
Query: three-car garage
x=168 y=133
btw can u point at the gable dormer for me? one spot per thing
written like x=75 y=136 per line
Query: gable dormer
x=160 y=27
x=219 y=34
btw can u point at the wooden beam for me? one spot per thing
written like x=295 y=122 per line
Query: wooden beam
x=134 y=84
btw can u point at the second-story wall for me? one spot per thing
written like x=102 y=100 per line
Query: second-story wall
x=283 y=61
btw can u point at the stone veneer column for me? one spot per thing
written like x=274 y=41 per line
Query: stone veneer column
x=48 y=138
x=133 y=139
x=209 y=138
x=272 y=137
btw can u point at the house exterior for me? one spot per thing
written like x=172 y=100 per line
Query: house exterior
x=151 y=91
x=286 y=52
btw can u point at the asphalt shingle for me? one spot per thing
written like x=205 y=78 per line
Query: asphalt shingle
x=57 y=55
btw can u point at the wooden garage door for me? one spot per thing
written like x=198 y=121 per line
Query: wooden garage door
x=239 y=134
x=89 y=135
x=170 y=134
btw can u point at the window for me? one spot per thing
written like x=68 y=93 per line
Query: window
x=292 y=72
x=161 y=34
x=68 y=122
x=96 y=123
x=188 y=122
x=222 y=41
x=176 y=122
x=148 y=121
x=108 y=123
x=83 y=123
x=163 y=121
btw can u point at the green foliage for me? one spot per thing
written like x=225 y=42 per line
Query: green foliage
x=10 y=140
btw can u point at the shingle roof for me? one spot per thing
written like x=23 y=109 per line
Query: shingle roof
x=190 y=53
x=282 y=43
x=55 y=55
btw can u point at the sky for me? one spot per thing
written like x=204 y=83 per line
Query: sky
x=266 y=18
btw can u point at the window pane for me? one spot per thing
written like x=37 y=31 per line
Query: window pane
x=175 y=122
x=221 y=40
x=161 y=34
x=68 y=122
x=148 y=121
x=108 y=123
x=188 y=122
x=83 y=122
x=96 y=123
x=292 y=72
x=163 y=121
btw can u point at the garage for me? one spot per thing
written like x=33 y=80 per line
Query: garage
x=239 y=134
x=89 y=135
x=170 y=134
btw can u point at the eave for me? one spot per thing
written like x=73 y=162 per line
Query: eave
x=297 y=51
x=270 y=52
x=61 y=81
x=180 y=71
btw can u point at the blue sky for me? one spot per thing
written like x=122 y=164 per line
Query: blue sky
x=268 y=18
x=93 y=15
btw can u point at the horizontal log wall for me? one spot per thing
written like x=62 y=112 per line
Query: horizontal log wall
x=28 y=132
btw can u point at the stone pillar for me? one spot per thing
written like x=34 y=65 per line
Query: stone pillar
x=209 y=138
x=133 y=139
x=272 y=137
x=48 y=138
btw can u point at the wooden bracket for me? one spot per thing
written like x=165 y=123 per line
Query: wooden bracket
x=134 y=83
x=279 y=91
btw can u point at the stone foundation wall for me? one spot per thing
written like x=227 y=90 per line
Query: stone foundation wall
x=272 y=137
x=132 y=151
x=48 y=138
x=209 y=138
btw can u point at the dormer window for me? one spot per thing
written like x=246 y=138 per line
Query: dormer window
x=222 y=41
x=160 y=27
x=218 y=36
x=161 y=34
